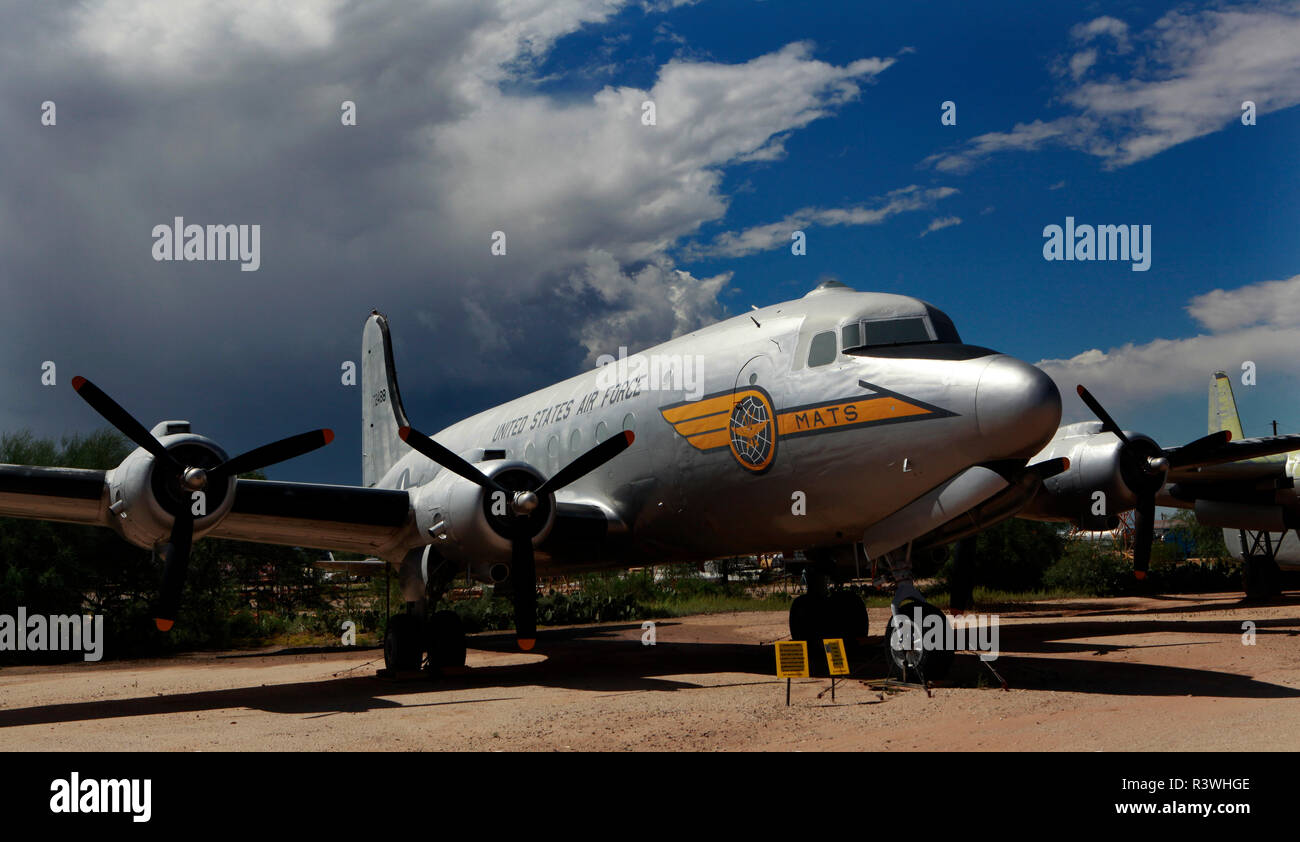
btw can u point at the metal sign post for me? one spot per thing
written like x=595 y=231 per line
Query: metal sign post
x=836 y=661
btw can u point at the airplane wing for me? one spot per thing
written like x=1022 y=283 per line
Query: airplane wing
x=329 y=517
x=67 y=495
x=1236 y=452
x=326 y=517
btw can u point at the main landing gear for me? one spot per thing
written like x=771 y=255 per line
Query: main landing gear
x=1260 y=575
x=419 y=636
x=411 y=636
x=822 y=614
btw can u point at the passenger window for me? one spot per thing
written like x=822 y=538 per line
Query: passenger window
x=851 y=336
x=822 y=350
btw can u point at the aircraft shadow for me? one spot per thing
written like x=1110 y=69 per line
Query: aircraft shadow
x=599 y=659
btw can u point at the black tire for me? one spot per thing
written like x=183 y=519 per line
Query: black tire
x=402 y=643
x=1261 y=577
x=933 y=663
x=847 y=619
x=808 y=615
x=445 y=640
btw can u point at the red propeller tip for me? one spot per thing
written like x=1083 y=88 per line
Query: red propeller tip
x=1140 y=574
x=527 y=643
x=164 y=625
x=1080 y=389
x=78 y=382
x=328 y=435
x=403 y=432
x=1227 y=435
x=629 y=435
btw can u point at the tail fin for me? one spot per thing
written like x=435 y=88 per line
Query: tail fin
x=381 y=403
x=1223 y=407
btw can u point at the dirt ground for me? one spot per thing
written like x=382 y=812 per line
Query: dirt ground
x=1167 y=673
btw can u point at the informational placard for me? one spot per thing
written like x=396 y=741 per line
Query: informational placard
x=791 y=659
x=836 y=660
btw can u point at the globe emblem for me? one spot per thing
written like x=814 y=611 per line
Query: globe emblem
x=751 y=429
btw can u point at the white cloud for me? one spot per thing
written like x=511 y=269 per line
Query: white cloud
x=1105 y=25
x=776 y=234
x=1188 y=75
x=941 y=223
x=1259 y=322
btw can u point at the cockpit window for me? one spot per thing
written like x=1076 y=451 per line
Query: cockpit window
x=944 y=329
x=851 y=336
x=895 y=331
x=822 y=349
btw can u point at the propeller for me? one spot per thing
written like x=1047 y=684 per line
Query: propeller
x=190 y=479
x=1147 y=465
x=522 y=504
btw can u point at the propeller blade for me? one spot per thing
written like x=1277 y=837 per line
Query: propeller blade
x=1143 y=534
x=588 y=462
x=1049 y=468
x=269 y=454
x=1107 y=423
x=447 y=459
x=124 y=422
x=177 y=564
x=1195 y=451
x=523 y=579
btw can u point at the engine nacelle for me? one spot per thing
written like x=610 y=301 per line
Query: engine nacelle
x=469 y=526
x=1097 y=464
x=144 y=498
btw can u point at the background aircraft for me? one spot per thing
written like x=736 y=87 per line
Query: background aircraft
x=837 y=418
x=1253 y=500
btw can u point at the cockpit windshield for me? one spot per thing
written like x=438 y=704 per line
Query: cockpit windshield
x=934 y=326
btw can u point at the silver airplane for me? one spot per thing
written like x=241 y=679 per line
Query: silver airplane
x=839 y=422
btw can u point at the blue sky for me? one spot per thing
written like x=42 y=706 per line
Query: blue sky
x=524 y=117
x=1223 y=207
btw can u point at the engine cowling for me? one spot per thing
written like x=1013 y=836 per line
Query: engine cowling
x=469 y=526
x=1098 y=463
x=145 y=499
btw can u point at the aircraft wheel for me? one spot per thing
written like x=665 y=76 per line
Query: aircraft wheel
x=402 y=643
x=904 y=642
x=446 y=640
x=847 y=614
x=1261 y=577
x=808 y=622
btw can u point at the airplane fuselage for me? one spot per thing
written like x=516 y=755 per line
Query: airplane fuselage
x=771 y=448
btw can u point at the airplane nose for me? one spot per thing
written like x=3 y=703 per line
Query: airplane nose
x=1017 y=407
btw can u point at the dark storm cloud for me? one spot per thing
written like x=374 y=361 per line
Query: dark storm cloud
x=223 y=113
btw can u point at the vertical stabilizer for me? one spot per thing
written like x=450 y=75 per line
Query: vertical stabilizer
x=381 y=404
x=1223 y=407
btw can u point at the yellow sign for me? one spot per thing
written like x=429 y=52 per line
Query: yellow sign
x=791 y=659
x=835 y=658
